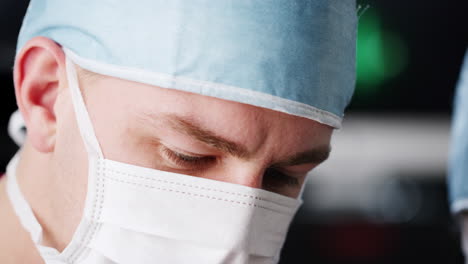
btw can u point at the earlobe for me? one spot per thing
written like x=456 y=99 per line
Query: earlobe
x=39 y=75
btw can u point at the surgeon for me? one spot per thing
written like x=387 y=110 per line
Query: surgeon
x=170 y=131
x=458 y=162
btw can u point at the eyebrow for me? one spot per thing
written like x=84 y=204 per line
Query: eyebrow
x=315 y=156
x=189 y=127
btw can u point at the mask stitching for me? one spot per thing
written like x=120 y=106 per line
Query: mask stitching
x=196 y=187
x=199 y=195
x=95 y=213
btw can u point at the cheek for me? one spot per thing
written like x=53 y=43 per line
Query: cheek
x=69 y=147
x=70 y=183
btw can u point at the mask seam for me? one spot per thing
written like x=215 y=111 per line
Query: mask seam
x=199 y=195
x=196 y=187
x=95 y=213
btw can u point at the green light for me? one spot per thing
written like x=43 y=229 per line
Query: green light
x=381 y=55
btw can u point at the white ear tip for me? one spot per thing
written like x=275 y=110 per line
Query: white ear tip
x=17 y=128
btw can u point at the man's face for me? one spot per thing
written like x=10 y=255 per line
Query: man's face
x=192 y=134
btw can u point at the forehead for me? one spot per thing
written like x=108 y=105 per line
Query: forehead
x=245 y=123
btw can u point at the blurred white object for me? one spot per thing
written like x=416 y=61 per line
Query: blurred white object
x=17 y=128
x=370 y=152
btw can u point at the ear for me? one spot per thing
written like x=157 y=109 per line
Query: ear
x=39 y=74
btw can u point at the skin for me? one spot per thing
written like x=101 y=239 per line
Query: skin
x=144 y=125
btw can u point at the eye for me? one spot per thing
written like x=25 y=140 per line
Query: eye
x=274 y=178
x=186 y=160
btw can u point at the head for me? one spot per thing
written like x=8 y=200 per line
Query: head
x=221 y=94
x=153 y=127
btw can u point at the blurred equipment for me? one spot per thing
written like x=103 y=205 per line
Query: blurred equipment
x=381 y=198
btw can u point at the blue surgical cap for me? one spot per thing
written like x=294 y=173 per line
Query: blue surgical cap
x=458 y=161
x=293 y=56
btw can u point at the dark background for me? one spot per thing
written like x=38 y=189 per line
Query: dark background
x=409 y=57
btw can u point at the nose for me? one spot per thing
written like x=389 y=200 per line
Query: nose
x=243 y=173
x=249 y=178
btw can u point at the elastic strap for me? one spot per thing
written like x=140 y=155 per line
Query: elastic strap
x=20 y=205
x=84 y=122
x=24 y=212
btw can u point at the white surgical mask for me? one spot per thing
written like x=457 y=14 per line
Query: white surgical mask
x=140 y=215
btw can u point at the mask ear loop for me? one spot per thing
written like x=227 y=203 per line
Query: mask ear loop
x=24 y=212
x=22 y=208
x=16 y=130
x=82 y=117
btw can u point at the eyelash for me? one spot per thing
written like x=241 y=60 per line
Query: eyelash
x=187 y=160
x=277 y=176
x=272 y=176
